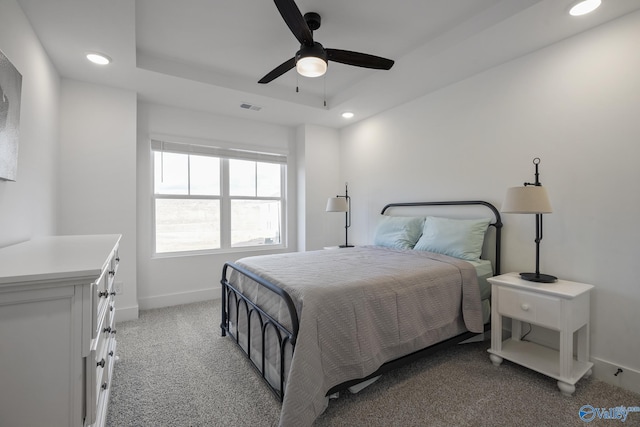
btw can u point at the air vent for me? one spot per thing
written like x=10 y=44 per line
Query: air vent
x=251 y=107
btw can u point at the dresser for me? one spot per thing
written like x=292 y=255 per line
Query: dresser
x=57 y=330
x=561 y=306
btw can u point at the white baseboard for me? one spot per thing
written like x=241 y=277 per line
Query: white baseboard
x=178 y=298
x=605 y=371
x=126 y=313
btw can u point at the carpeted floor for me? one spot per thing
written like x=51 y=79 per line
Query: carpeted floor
x=176 y=370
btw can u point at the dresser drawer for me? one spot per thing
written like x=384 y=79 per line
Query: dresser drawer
x=529 y=307
x=104 y=367
x=100 y=362
x=112 y=268
x=105 y=385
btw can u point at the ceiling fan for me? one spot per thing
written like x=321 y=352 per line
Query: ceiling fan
x=312 y=58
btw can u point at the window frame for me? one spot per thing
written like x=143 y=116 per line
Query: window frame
x=225 y=199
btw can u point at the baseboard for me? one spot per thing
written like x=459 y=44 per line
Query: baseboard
x=126 y=313
x=178 y=298
x=605 y=371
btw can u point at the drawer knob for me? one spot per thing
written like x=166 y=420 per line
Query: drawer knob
x=118 y=259
x=112 y=293
x=103 y=294
x=525 y=306
x=112 y=272
x=104 y=385
x=113 y=331
x=107 y=329
x=101 y=363
x=111 y=353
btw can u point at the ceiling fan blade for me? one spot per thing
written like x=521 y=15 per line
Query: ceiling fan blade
x=294 y=19
x=359 y=59
x=278 y=71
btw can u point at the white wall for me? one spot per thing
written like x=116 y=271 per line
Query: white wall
x=97 y=175
x=318 y=179
x=575 y=105
x=164 y=281
x=27 y=206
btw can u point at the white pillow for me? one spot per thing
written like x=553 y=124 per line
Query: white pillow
x=399 y=232
x=460 y=238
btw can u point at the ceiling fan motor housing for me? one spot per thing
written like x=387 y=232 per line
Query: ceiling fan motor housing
x=313 y=20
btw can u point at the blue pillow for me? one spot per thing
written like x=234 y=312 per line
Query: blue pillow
x=398 y=232
x=460 y=238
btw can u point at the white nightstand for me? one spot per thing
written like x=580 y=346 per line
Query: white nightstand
x=562 y=306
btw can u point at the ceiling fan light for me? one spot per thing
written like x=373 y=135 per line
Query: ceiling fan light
x=311 y=66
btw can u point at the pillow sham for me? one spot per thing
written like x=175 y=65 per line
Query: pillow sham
x=459 y=238
x=398 y=232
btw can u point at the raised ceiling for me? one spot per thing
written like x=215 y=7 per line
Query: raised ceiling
x=208 y=55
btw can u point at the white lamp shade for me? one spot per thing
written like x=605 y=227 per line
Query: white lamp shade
x=337 y=204
x=531 y=199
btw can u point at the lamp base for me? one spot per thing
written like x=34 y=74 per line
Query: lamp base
x=345 y=246
x=537 y=277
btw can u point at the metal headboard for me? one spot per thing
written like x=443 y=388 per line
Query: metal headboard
x=497 y=224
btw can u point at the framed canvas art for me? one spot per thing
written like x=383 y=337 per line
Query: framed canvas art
x=10 y=93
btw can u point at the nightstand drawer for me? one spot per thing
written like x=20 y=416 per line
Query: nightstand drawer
x=533 y=308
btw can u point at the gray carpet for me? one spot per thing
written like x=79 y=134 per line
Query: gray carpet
x=176 y=370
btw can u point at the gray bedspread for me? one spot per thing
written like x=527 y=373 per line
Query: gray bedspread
x=359 y=308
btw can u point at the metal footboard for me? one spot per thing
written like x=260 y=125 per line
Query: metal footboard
x=231 y=295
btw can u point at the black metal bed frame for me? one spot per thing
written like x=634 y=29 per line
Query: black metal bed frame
x=287 y=338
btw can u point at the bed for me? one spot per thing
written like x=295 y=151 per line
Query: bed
x=319 y=322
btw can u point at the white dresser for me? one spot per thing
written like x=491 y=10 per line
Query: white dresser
x=57 y=330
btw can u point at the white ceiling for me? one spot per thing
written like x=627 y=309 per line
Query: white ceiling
x=208 y=55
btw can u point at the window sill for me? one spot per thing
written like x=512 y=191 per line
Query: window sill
x=248 y=250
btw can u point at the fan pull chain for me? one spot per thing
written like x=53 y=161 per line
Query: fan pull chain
x=297 y=88
x=324 y=80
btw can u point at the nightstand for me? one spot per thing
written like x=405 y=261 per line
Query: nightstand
x=561 y=306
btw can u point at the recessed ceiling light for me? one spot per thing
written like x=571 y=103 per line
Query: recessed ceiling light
x=347 y=115
x=98 y=58
x=583 y=7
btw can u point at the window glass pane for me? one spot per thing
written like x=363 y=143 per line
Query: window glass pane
x=170 y=173
x=242 y=178
x=205 y=175
x=255 y=222
x=268 y=180
x=187 y=225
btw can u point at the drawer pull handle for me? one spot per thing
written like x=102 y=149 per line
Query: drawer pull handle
x=103 y=294
x=112 y=272
x=525 y=307
x=118 y=259
x=101 y=363
x=112 y=293
x=107 y=329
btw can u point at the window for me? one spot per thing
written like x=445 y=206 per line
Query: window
x=209 y=198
